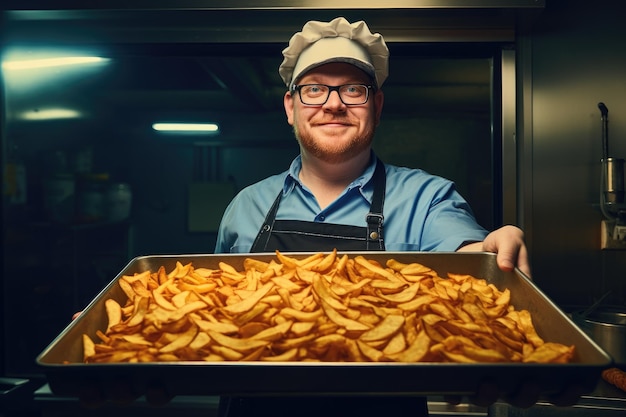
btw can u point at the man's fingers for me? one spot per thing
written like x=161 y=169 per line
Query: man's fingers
x=508 y=243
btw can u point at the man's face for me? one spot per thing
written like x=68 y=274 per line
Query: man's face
x=334 y=132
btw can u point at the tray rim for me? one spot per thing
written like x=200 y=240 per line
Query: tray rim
x=53 y=370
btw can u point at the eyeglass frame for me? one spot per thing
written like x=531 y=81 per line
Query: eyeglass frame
x=298 y=88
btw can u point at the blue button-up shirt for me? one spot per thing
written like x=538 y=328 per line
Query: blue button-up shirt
x=422 y=212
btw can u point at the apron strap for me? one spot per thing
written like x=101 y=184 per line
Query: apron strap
x=263 y=237
x=375 y=217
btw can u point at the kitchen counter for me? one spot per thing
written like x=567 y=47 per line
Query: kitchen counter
x=605 y=400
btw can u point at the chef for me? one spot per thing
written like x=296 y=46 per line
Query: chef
x=338 y=194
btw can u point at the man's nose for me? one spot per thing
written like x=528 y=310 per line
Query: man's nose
x=334 y=101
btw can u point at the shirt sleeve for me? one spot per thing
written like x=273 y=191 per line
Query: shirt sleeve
x=450 y=222
x=425 y=212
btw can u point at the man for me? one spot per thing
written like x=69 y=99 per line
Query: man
x=337 y=194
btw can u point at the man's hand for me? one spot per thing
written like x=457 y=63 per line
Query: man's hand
x=508 y=243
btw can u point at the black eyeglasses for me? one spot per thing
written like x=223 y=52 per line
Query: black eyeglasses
x=317 y=94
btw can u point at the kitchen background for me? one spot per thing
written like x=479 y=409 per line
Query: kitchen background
x=448 y=110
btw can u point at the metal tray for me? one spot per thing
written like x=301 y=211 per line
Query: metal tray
x=62 y=363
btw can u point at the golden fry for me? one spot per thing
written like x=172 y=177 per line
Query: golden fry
x=114 y=313
x=250 y=302
x=324 y=307
x=386 y=329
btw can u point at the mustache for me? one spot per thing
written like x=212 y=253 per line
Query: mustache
x=333 y=119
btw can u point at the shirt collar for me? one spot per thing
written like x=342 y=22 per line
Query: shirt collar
x=363 y=182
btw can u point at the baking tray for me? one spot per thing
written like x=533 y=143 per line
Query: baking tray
x=62 y=362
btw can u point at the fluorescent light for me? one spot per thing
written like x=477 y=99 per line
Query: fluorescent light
x=50 y=114
x=51 y=62
x=186 y=127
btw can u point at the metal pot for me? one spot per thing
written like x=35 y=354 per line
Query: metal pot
x=607 y=327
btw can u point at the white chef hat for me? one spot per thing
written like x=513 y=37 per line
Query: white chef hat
x=335 y=41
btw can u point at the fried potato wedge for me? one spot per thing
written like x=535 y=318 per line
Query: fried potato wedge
x=319 y=308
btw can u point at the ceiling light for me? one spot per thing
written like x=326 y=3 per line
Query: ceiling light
x=50 y=114
x=51 y=62
x=186 y=127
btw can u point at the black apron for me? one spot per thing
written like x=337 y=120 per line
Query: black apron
x=302 y=236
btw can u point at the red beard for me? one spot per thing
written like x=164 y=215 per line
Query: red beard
x=334 y=152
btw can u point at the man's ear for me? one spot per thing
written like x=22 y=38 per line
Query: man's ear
x=288 y=104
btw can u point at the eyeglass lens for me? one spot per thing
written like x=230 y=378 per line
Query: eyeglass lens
x=318 y=94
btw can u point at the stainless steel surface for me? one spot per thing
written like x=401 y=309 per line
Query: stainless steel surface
x=613 y=187
x=438 y=406
x=559 y=92
x=61 y=360
x=509 y=156
x=607 y=326
x=593 y=307
x=271 y=21
x=279 y=4
x=604 y=401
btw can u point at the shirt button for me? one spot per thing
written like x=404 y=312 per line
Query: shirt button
x=322 y=218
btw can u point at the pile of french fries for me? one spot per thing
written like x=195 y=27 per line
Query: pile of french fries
x=325 y=307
